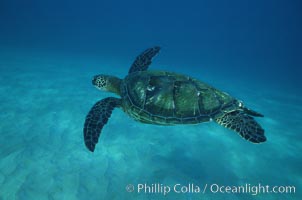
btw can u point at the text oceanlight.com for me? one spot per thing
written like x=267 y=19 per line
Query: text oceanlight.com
x=162 y=189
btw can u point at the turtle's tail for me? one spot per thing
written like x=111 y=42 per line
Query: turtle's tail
x=244 y=125
x=251 y=112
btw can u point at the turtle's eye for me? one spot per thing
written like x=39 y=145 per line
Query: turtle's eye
x=99 y=82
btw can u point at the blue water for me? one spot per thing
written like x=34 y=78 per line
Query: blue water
x=49 y=51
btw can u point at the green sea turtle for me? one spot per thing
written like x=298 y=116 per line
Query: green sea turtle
x=167 y=98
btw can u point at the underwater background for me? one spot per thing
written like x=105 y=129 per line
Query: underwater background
x=50 y=50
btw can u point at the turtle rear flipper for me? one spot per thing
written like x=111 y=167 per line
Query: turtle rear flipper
x=244 y=125
x=95 y=120
x=143 y=61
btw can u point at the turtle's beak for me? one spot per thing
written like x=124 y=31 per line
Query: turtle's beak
x=94 y=80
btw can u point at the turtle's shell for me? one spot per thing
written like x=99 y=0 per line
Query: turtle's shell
x=159 y=97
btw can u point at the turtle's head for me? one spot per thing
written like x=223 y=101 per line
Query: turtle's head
x=107 y=83
x=100 y=82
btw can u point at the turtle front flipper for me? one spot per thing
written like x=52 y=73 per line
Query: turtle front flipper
x=244 y=125
x=96 y=119
x=143 y=61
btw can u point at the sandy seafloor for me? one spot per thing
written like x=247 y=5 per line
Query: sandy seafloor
x=44 y=101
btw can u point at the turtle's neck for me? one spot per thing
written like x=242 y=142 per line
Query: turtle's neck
x=114 y=85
